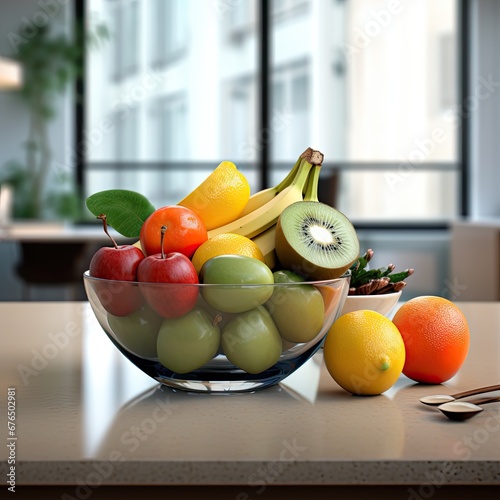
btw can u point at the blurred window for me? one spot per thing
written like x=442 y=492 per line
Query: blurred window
x=290 y=110
x=374 y=92
x=173 y=132
x=242 y=15
x=240 y=127
x=370 y=83
x=126 y=135
x=126 y=38
x=170 y=24
x=285 y=8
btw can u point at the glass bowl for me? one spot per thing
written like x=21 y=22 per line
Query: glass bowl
x=216 y=338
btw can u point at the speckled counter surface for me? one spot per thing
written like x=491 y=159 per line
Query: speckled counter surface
x=86 y=416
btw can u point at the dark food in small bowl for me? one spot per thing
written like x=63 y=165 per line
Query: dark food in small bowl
x=379 y=281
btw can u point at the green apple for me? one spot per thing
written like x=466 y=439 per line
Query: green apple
x=251 y=341
x=237 y=270
x=137 y=331
x=297 y=310
x=187 y=343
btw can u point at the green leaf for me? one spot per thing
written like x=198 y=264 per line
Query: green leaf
x=125 y=210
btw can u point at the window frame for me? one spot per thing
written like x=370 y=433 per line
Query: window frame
x=263 y=83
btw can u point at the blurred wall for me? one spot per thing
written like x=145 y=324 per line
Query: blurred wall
x=483 y=107
x=26 y=15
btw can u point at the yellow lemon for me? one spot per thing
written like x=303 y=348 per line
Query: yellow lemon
x=225 y=244
x=364 y=352
x=221 y=197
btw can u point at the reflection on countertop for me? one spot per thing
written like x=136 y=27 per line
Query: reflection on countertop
x=82 y=405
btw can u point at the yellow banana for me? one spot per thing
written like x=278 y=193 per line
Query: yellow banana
x=311 y=188
x=266 y=195
x=266 y=240
x=266 y=215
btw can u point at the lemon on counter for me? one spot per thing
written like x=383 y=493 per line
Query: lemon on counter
x=364 y=352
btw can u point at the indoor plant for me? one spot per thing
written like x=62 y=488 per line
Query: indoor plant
x=51 y=61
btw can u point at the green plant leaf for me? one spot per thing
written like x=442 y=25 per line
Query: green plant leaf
x=125 y=210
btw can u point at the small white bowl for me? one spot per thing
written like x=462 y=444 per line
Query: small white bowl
x=383 y=304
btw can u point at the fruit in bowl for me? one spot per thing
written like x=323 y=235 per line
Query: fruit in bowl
x=298 y=310
x=195 y=352
x=226 y=313
x=236 y=270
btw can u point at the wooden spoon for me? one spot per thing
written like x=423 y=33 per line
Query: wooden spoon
x=463 y=410
x=440 y=399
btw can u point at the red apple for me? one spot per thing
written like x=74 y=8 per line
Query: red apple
x=173 y=268
x=117 y=264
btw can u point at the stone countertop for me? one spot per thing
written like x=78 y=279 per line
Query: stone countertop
x=85 y=415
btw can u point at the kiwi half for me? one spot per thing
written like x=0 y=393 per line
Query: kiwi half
x=315 y=240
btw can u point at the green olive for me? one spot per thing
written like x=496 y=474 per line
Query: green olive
x=187 y=343
x=297 y=310
x=251 y=341
x=233 y=272
x=137 y=331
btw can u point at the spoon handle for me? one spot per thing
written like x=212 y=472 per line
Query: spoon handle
x=483 y=401
x=473 y=392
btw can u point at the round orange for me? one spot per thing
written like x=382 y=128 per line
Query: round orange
x=436 y=337
x=185 y=231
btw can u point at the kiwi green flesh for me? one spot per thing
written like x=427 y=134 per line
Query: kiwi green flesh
x=316 y=240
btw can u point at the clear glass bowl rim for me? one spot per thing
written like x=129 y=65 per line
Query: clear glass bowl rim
x=87 y=276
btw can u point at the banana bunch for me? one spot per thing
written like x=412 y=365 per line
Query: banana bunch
x=259 y=218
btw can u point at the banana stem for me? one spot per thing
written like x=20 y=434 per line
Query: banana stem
x=311 y=156
x=302 y=176
x=289 y=178
x=311 y=191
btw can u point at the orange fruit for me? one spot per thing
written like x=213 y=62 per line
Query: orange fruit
x=364 y=352
x=225 y=244
x=436 y=337
x=185 y=231
x=221 y=197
